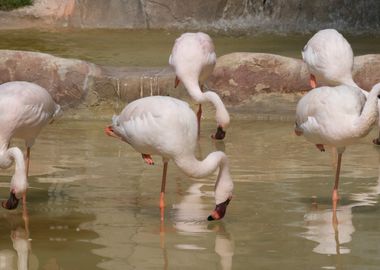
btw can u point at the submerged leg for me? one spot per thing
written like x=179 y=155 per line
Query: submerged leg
x=335 y=196
x=162 y=194
x=148 y=159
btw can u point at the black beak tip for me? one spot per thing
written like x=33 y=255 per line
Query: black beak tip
x=11 y=203
x=210 y=218
x=220 y=134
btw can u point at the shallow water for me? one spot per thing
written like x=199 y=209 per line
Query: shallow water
x=93 y=204
x=153 y=47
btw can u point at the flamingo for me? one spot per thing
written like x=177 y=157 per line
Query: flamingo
x=329 y=58
x=167 y=127
x=193 y=58
x=25 y=108
x=336 y=116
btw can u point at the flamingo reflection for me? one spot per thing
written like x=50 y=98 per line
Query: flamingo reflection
x=333 y=229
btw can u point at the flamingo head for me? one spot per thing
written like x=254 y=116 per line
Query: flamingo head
x=219 y=211
x=219 y=134
x=12 y=201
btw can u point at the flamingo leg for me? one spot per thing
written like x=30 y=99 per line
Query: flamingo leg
x=199 y=115
x=148 y=159
x=27 y=174
x=162 y=194
x=313 y=81
x=335 y=196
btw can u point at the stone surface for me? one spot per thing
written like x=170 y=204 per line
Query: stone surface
x=367 y=70
x=222 y=15
x=238 y=77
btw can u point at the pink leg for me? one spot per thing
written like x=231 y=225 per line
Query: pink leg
x=163 y=185
x=148 y=159
x=199 y=115
x=27 y=174
x=335 y=195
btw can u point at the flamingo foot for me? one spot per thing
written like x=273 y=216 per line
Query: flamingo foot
x=148 y=159
x=11 y=203
x=320 y=147
x=376 y=141
x=219 y=211
x=220 y=134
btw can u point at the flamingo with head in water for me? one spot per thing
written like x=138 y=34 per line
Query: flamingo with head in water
x=193 y=58
x=336 y=116
x=25 y=108
x=167 y=127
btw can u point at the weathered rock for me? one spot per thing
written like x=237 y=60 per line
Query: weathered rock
x=238 y=77
x=367 y=70
x=67 y=80
x=223 y=15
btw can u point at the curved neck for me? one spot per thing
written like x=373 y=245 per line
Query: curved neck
x=198 y=169
x=195 y=92
x=369 y=113
x=19 y=183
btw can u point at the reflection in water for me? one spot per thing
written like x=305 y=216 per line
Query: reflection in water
x=187 y=221
x=332 y=229
x=21 y=257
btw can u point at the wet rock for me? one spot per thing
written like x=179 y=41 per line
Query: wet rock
x=67 y=80
x=367 y=70
x=238 y=77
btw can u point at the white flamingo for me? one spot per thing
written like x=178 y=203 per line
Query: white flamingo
x=25 y=108
x=330 y=59
x=336 y=116
x=167 y=127
x=193 y=58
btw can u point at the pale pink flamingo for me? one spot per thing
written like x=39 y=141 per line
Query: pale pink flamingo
x=336 y=116
x=193 y=58
x=25 y=108
x=167 y=127
x=330 y=59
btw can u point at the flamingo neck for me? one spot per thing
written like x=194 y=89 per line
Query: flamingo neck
x=7 y=156
x=198 y=169
x=369 y=113
x=222 y=116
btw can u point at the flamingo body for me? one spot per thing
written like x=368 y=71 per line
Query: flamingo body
x=25 y=108
x=336 y=116
x=167 y=127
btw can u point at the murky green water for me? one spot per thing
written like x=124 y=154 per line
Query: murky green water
x=93 y=204
x=152 y=48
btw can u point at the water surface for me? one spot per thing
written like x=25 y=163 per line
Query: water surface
x=93 y=204
x=153 y=47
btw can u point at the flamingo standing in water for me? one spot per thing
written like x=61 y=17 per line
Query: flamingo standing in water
x=336 y=116
x=330 y=59
x=25 y=108
x=167 y=127
x=193 y=58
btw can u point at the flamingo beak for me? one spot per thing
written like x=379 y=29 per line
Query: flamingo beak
x=220 y=134
x=176 y=82
x=220 y=211
x=11 y=203
x=109 y=131
x=313 y=81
